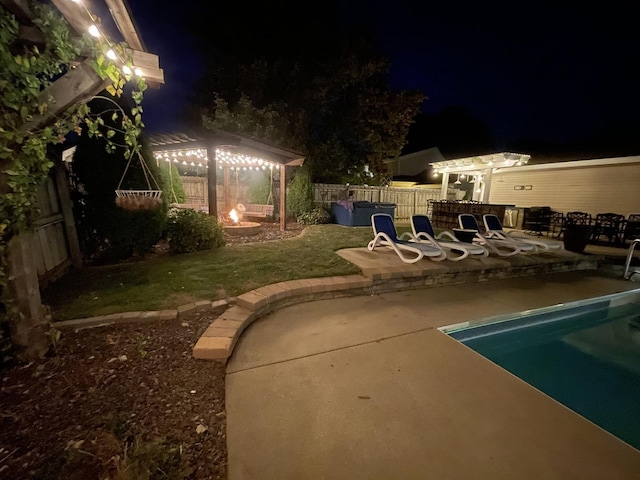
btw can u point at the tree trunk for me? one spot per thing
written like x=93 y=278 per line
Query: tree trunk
x=28 y=324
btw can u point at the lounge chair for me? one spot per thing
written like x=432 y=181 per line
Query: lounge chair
x=503 y=248
x=493 y=228
x=423 y=232
x=386 y=235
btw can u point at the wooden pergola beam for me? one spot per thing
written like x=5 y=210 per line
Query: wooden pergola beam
x=19 y=8
x=148 y=63
x=122 y=16
x=76 y=86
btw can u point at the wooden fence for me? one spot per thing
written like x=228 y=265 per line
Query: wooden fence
x=197 y=193
x=409 y=201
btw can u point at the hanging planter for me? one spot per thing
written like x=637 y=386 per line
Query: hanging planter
x=138 y=199
x=134 y=200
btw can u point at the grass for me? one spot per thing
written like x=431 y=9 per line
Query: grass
x=169 y=281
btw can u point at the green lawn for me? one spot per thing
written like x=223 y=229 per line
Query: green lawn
x=170 y=281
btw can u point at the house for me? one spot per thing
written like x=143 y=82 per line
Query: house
x=593 y=186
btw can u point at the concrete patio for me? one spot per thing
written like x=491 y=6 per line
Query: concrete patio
x=368 y=388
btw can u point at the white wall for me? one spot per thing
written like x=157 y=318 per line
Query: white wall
x=593 y=186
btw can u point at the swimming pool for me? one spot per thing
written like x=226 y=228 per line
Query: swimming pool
x=584 y=354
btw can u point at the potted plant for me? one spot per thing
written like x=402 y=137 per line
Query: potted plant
x=576 y=237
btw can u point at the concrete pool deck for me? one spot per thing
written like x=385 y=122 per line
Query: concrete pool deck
x=367 y=387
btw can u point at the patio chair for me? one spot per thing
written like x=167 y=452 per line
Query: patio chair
x=503 y=248
x=386 y=235
x=609 y=225
x=494 y=229
x=423 y=232
x=631 y=229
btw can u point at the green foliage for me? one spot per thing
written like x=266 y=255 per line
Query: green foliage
x=316 y=216
x=300 y=194
x=260 y=188
x=27 y=71
x=190 y=231
x=171 y=183
x=151 y=459
x=108 y=233
x=337 y=109
x=161 y=282
x=27 y=130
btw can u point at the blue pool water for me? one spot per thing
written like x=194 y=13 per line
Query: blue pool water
x=585 y=354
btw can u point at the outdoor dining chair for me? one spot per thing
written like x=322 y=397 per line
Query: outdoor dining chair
x=608 y=225
x=631 y=229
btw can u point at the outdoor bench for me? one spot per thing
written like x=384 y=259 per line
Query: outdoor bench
x=255 y=210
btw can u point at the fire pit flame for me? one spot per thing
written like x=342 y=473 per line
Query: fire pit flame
x=233 y=225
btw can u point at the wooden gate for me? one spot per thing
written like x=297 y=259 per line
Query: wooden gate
x=54 y=241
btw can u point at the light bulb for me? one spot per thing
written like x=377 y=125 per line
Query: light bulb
x=111 y=54
x=94 y=32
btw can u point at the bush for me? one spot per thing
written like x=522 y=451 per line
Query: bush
x=315 y=217
x=190 y=231
x=300 y=194
x=108 y=233
x=171 y=183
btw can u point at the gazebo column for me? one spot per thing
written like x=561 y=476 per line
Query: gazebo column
x=283 y=197
x=486 y=191
x=445 y=185
x=227 y=189
x=212 y=180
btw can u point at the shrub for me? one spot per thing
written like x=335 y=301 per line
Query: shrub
x=260 y=188
x=190 y=231
x=315 y=217
x=108 y=233
x=171 y=183
x=300 y=194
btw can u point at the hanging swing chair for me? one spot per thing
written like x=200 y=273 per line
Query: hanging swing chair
x=134 y=200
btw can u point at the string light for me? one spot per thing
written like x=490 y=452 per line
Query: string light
x=95 y=32
x=223 y=157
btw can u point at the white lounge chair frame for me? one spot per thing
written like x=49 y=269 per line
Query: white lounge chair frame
x=542 y=245
x=408 y=251
x=503 y=248
x=450 y=245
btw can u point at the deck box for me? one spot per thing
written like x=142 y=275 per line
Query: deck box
x=358 y=213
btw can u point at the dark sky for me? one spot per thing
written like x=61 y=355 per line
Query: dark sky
x=529 y=71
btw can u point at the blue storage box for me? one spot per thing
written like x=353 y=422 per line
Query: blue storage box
x=358 y=214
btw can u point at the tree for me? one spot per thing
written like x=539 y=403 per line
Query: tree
x=454 y=130
x=33 y=63
x=333 y=103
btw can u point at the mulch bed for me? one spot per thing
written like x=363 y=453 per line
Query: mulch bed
x=120 y=402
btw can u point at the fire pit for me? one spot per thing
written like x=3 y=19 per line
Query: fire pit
x=233 y=225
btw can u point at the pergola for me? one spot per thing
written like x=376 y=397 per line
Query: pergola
x=479 y=169
x=226 y=151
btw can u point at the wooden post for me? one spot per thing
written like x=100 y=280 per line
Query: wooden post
x=212 y=180
x=227 y=189
x=29 y=329
x=283 y=197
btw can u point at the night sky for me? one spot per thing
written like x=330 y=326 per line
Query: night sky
x=549 y=74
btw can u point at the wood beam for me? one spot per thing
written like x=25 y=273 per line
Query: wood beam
x=76 y=86
x=149 y=65
x=283 y=197
x=122 y=16
x=212 y=182
x=75 y=15
x=19 y=8
x=31 y=35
